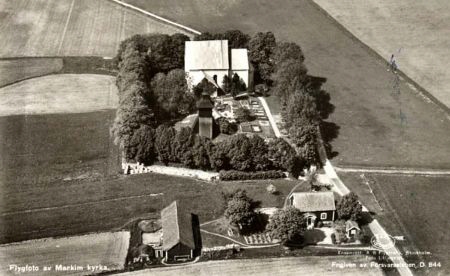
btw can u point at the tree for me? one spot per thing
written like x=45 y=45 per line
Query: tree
x=226 y=84
x=201 y=151
x=289 y=78
x=172 y=95
x=243 y=114
x=349 y=207
x=259 y=153
x=301 y=108
x=237 y=85
x=178 y=42
x=281 y=153
x=261 y=48
x=288 y=50
x=288 y=225
x=219 y=158
x=141 y=147
x=163 y=143
x=239 y=152
x=239 y=208
x=236 y=38
x=182 y=144
x=304 y=136
x=226 y=127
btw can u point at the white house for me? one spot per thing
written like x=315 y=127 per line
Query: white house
x=209 y=59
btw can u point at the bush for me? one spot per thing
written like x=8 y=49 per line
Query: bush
x=271 y=189
x=238 y=175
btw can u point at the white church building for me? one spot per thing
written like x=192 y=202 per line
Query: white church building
x=210 y=59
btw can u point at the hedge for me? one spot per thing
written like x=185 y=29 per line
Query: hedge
x=238 y=175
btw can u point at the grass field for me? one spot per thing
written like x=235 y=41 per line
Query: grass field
x=106 y=249
x=69 y=27
x=16 y=70
x=62 y=93
x=412 y=206
x=415 y=32
x=372 y=132
x=58 y=207
x=267 y=267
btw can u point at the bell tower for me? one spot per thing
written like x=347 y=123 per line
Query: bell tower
x=205 y=119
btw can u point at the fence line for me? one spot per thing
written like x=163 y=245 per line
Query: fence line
x=157 y=17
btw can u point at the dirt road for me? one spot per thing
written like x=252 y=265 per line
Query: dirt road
x=324 y=265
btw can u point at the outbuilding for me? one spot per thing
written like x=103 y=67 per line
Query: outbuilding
x=180 y=240
x=351 y=228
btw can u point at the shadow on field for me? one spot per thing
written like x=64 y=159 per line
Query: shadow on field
x=329 y=130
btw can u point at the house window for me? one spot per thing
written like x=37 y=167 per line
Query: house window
x=323 y=216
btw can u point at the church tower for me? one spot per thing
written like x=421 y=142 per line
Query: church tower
x=205 y=118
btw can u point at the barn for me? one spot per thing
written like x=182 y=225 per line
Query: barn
x=180 y=240
x=316 y=206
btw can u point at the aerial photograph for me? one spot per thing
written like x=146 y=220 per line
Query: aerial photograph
x=224 y=137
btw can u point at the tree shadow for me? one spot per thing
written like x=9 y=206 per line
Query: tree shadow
x=329 y=131
x=366 y=218
x=260 y=221
x=323 y=98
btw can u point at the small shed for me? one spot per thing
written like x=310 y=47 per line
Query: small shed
x=351 y=228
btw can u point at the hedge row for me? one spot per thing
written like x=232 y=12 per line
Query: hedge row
x=238 y=175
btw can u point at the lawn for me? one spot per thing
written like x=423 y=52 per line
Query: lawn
x=69 y=27
x=376 y=129
x=60 y=93
x=425 y=60
x=415 y=207
x=106 y=249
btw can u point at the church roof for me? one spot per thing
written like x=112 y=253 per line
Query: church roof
x=206 y=55
x=239 y=59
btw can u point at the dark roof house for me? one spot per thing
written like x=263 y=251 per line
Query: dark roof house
x=179 y=242
x=317 y=206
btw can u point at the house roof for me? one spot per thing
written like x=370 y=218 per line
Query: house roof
x=349 y=224
x=177 y=227
x=314 y=201
x=239 y=59
x=206 y=55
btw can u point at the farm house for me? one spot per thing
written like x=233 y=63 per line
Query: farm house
x=317 y=206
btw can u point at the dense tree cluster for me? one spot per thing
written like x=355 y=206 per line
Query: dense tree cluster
x=287 y=225
x=152 y=90
x=239 y=208
x=349 y=207
x=172 y=95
